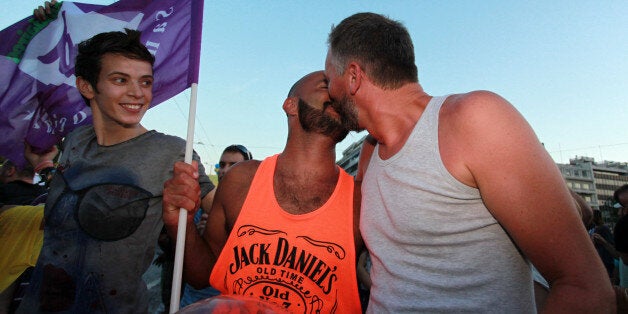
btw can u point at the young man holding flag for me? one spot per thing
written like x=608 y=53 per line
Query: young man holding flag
x=103 y=212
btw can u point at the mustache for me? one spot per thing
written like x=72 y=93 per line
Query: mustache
x=316 y=120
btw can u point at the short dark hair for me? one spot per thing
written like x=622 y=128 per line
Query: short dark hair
x=237 y=148
x=622 y=189
x=382 y=46
x=90 y=52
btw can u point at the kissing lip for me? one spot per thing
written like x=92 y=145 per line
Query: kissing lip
x=330 y=108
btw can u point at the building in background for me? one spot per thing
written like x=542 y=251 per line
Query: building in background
x=607 y=176
x=595 y=182
x=579 y=177
x=350 y=157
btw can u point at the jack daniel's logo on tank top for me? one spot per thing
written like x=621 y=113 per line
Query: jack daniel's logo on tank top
x=293 y=272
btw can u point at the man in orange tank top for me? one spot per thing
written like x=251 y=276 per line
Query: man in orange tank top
x=288 y=224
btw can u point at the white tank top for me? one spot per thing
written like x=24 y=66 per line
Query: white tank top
x=434 y=246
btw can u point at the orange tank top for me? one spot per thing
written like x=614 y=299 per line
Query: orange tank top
x=304 y=263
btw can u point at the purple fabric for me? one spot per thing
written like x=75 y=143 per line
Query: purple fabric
x=38 y=99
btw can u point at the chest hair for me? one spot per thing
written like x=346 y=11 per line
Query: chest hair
x=304 y=193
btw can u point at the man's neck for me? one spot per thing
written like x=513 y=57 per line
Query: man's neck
x=392 y=115
x=315 y=156
x=305 y=177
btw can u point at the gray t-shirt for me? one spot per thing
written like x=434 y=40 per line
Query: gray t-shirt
x=102 y=221
x=434 y=246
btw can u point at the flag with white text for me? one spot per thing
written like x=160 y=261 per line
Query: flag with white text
x=39 y=103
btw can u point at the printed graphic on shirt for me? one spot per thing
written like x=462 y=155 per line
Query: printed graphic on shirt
x=296 y=272
x=68 y=276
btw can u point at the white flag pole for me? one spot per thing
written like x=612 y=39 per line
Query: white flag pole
x=175 y=295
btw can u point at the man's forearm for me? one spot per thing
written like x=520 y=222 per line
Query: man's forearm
x=198 y=261
x=572 y=299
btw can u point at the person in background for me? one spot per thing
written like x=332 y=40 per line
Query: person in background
x=16 y=184
x=232 y=155
x=21 y=237
x=620 y=234
x=103 y=211
x=601 y=230
x=620 y=249
x=43 y=163
x=21 y=228
x=620 y=196
x=459 y=195
x=287 y=224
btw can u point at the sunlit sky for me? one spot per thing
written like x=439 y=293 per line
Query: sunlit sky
x=562 y=64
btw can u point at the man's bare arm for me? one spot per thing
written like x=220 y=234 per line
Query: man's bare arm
x=228 y=201
x=521 y=186
x=183 y=191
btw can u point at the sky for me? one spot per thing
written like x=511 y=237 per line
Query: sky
x=562 y=64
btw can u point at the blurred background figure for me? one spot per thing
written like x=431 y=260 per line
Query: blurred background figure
x=621 y=246
x=232 y=155
x=619 y=251
x=17 y=186
x=620 y=237
x=21 y=238
x=621 y=200
x=601 y=230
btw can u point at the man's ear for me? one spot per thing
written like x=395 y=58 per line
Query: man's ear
x=85 y=88
x=291 y=106
x=355 y=77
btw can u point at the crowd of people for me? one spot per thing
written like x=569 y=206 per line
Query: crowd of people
x=429 y=224
x=612 y=246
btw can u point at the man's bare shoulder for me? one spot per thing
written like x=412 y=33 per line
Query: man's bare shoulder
x=241 y=174
x=482 y=111
x=472 y=126
x=474 y=101
x=232 y=191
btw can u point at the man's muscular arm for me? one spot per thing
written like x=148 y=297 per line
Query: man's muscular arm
x=486 y=143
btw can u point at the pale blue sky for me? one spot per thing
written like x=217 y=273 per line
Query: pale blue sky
x=562 y=64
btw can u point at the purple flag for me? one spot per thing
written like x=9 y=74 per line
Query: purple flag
x=38 y=99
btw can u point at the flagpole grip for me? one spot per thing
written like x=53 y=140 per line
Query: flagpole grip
x=175 y=294
x=177 y=274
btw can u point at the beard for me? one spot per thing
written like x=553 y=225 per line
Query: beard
x=348 y=113
x=314 y=120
